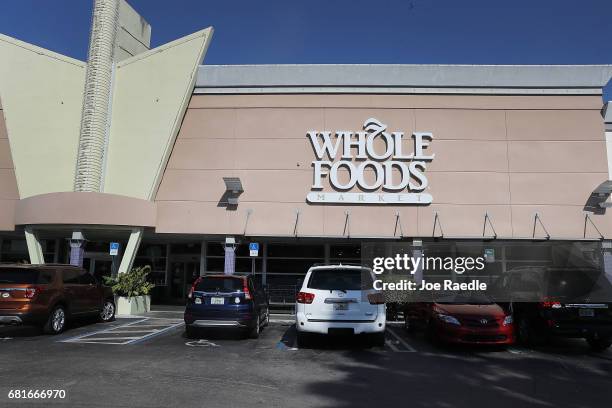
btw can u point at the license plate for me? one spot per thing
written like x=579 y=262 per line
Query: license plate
x=341 y=306
x=586 y=312
x=217 y=301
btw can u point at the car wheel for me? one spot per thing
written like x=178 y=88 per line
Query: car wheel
x=409 y=326
x=599 y=344
x=523 y=331
x=254 y=333
x=108 y=311
x=378 y=339
x=267 y=319
x=56 y=323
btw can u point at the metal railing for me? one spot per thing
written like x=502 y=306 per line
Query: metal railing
x=282 y=296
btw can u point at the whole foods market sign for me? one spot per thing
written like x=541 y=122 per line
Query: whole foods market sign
x=371 y=166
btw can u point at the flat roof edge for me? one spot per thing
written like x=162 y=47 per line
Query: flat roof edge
x=409 y=76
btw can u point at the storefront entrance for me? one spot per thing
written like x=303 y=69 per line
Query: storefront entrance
x=98 y=263
x=183 y=271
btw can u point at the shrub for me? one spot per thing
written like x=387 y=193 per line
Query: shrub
x=131 y=284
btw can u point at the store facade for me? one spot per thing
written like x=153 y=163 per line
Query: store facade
x=508 y=160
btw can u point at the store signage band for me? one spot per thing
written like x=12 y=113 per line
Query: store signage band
x=359 y=171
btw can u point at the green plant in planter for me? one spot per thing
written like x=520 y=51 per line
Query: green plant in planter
x=131 y=284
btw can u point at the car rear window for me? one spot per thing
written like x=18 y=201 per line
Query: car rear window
x=220 y=284
x=340 y=279
x=25 y=276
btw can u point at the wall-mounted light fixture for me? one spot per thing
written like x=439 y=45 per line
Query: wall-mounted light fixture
x=233 y=188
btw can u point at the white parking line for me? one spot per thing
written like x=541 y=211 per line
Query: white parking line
x=409 y=348
x=391 y=345
x=139 y=330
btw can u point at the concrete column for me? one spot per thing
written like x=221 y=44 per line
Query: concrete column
x=95 y=117
x=130 y=250
x=34 y=248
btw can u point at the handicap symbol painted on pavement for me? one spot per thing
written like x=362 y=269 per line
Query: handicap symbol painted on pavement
x=201 y=343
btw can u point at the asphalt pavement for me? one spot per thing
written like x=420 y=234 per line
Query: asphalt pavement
x=148 y=362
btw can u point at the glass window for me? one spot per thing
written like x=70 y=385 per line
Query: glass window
x=224 y=284
x=70 y=276
x=215 y=264
x=278 y=250
x=85 y=278
x=339 y=252
x=152 y=251
x=531 y=252
x=244 y=265
x=19 y=276
x=295 y=266
x=45 y=276
x=339 y=279
x=188 y=248
x=98 y=246
x=571 y=284
x=215 y=249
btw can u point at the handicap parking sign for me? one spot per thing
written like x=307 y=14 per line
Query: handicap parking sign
x=254 y=249
x=114 y=248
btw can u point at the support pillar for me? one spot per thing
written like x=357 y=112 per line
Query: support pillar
x=130 y=250
x=34 y=248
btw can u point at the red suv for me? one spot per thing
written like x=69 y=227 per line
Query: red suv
x=48 y=295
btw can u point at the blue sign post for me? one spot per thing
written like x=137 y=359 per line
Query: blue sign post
x=253 y=252
x=114 y=251
x=114 y=248
x=254 y=249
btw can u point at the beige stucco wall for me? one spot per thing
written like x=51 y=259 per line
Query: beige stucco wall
x=41 y=94
x=510 y=156
x=150 y=96
x=8 y=184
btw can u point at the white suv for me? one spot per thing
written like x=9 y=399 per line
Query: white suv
x=340 y=299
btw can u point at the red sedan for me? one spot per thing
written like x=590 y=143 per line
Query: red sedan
x=461 y=319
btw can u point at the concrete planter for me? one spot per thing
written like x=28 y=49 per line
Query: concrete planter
x=133 y=306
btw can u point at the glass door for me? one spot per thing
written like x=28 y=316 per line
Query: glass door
x=182 y=275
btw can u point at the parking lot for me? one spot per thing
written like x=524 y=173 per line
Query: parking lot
x=148 y=362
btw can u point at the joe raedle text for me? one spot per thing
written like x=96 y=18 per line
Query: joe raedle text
x=446 y=285
x=403 y=263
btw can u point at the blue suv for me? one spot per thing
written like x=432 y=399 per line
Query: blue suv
x=227 y=301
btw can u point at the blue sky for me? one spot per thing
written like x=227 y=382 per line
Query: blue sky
x=347 y=31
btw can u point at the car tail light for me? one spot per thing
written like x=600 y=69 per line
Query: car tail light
x=245 y=289
x=550 y=304
x=195 y=283
x=31 y=292
x=377 y=298
x=305 y=297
